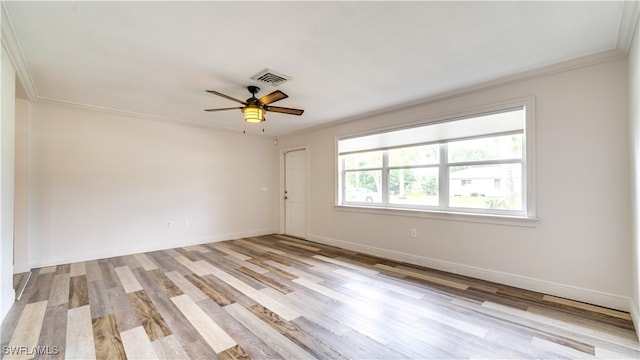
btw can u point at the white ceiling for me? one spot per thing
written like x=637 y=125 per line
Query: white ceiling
x=345 y=58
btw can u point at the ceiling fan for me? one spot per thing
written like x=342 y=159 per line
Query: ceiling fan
x=254 y=108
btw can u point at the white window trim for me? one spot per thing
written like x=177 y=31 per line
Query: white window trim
x=528 y=163
x=443 y=215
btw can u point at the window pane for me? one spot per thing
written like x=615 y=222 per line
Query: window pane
x=413 y=186
x=367 y=160
x=491 y=148
x=363 y=186
x=486 y=187
x=416 y=155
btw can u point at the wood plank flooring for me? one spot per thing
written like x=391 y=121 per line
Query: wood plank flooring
x=280 y=297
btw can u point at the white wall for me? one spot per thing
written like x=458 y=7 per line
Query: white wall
x=105 y=184
x=7 y=157
x=634 y=116
x=22 y=186
x=580 y=246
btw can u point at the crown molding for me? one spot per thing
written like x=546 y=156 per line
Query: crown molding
x=166 y=119
x=589 y=60
x=13 y=49
x=628 y=22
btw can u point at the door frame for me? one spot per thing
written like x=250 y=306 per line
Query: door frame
x=283 y=215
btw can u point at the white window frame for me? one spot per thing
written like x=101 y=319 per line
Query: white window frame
x=526 y=217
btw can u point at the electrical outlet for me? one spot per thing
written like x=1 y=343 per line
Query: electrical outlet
x=169 y=224
x=413 y=233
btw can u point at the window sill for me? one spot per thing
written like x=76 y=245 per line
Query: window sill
x=443 y=215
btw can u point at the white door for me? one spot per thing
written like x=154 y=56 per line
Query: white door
x=295 y=193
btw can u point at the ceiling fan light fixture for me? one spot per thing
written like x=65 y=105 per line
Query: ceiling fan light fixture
x=253 y=114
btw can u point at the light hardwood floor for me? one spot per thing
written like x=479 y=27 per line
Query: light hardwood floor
x=279 y=297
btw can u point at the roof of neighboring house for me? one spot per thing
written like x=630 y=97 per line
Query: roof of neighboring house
x=482 y=172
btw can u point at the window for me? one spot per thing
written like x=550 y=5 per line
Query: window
x=476 y=163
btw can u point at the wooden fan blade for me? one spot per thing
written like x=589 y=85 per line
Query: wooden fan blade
x=240 y=107
x=285 y=110
x=226 y=97
x=273 y=97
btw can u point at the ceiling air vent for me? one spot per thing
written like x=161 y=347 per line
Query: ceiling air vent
x=270 y=77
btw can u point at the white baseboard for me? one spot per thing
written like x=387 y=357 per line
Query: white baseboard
x=146 y=247
x=547 y=287
x=635 y=316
